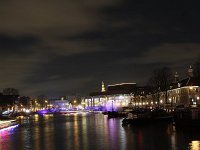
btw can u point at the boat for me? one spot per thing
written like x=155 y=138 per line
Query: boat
x=7 y=123
x=115 y=114
x=187 y=117
x=137 y=116
x=147 y=116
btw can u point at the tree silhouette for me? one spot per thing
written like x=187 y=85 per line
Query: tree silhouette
x=196 y=67
x=160 y=81
x=41 y=100
x=10 y=91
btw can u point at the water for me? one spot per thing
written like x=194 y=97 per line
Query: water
x=94 y=132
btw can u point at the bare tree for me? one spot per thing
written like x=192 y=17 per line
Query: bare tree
x=41 y=100
x=10 y=91
x=197 y=68
x=25 y=101
x=11 y=96
x=160 y=81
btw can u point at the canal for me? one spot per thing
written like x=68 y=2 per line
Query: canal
x=94 y=132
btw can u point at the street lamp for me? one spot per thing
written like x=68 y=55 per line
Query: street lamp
x=112 y=105
x=46 y=102
x=190 y=95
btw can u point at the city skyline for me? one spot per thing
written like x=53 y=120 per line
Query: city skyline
x=57 y=48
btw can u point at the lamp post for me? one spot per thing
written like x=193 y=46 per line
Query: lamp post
x=112 y=105
x=170 y=101
x=74 y=103
x=46 y=102
x=189 y=95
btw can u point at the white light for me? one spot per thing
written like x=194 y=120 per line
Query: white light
x=161 y=101
x=8 y=128
x=27 y=111
x=118 y=104
x=197 y=98
x=121 y=97
x=121 y=84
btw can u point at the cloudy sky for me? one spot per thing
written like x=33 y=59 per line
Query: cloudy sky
x=62 y=47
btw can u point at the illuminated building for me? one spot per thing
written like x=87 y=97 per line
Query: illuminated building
x=115 y=98
x=185 y=92
x=59 y=103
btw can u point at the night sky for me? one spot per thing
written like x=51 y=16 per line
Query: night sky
x=64 y=47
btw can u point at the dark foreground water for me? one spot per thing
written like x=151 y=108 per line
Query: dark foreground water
x=94 y=132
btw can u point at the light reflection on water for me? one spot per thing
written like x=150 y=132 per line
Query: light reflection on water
x=194 y=145
x=94 y=131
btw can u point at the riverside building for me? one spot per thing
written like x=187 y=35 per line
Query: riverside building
x=185 y=92
x=181 y=93
x=115 y=98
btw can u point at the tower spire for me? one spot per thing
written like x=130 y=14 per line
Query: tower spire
x=102 y=87
x=190 y=72
x=176 y=76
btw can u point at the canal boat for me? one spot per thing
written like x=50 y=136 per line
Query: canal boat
x=187 y=117
x=116 y=114
x=7 y=123
x=147 y=116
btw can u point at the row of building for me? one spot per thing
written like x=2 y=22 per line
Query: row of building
x=181 y=93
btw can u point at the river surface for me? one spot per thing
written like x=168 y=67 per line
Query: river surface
x=94 y=132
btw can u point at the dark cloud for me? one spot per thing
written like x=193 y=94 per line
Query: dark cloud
x=18 y=44
x=63 y=47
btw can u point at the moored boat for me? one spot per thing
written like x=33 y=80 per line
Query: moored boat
x=147 y=116
x=187 y=117
x=115 y=114
x=7 y=123
x=137 y=116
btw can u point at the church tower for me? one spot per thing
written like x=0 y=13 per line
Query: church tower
x=190 y=72
x=176 y=77
x=102 y=87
